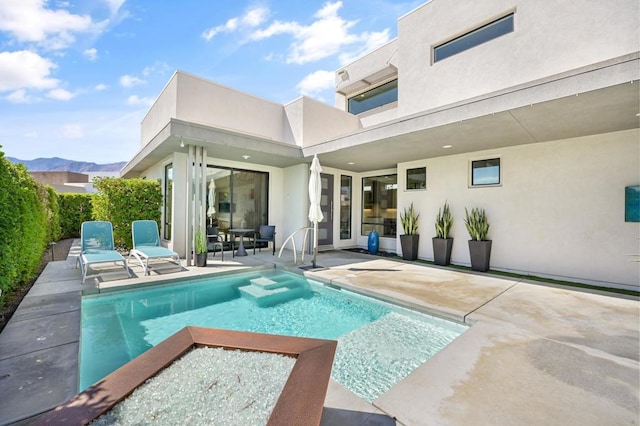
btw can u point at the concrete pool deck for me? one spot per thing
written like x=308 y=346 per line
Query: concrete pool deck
x=535 y=354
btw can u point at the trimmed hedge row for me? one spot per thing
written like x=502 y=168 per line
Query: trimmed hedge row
x=121 y=201
x=28 y=222
x=74 y=209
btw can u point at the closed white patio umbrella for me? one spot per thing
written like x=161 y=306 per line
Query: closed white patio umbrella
x=315 y=212
x=212 y=200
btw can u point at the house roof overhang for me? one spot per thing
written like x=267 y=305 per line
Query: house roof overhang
x=600 y=98
x=220 y=143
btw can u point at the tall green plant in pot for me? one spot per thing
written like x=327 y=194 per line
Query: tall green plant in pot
x=409 y=241
x=479 y=246
x=201 y=248
x=442 y=242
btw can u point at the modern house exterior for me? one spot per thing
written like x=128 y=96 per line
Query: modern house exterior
x=529 y=111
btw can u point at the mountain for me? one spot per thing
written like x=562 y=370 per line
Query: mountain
x=56 y=164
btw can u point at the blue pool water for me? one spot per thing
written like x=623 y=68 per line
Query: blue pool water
x=378 y=344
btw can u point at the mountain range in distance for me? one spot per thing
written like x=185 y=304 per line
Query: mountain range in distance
x=57 y=164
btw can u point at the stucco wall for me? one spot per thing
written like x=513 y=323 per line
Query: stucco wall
x=294 y=193
x=205 y=102
x=558 y=212
x=160 y=112
x=592 y=30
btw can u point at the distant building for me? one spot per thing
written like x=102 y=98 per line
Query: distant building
x=70 y=181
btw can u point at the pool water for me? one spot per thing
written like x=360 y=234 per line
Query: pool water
x=378 y=343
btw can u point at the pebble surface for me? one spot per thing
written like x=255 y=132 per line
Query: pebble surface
x=207 y=386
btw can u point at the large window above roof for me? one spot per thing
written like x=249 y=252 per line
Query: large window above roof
x=373 y=98
x=474 y=38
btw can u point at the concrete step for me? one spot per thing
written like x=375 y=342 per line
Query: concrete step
x=278 y=292
x=264 y=283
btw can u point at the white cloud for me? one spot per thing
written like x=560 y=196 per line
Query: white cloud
x=328 y=35
x=130 y=81
x=91 y=54
x=316 y=82
x=19 y=97
x=158 y=67
x=72 y=131
x=31 y=135
x=114 y=5
x=135 y=100
x=30 y=21
x=100 y=87
x=25 y=70
x=252 y=18
x=60 y=94
x=255 y=16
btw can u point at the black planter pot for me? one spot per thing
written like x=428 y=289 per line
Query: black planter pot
x=480 y=253
x=409 y=244
x=442 y=250
x=201 y=259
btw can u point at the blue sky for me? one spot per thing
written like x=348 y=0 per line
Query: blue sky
x=77 y=77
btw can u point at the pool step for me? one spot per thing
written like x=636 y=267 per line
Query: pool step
x=265 y=292
x=265 y=283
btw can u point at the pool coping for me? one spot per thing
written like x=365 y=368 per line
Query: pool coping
x=309 y=377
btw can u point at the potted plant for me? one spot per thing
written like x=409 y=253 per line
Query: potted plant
x=479 y=247
x=442 y=242
x=201 y=248
x=409 y=241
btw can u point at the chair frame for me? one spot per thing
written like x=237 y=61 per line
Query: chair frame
x=156 y=252
x=106 y=253
x=218 y=242
x=257 y=238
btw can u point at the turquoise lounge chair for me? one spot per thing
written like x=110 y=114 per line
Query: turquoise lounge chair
x=98 y=248
x=146 y=246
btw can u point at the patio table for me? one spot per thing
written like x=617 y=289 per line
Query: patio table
x=241 y=232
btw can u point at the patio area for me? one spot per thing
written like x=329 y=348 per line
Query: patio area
x=535 y=354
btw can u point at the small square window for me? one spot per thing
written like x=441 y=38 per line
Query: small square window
x=417 y=178
x=485 y=172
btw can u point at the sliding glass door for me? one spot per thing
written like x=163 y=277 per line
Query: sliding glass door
x=237 y=198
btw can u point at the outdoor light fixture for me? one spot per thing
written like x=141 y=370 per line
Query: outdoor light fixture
x=447 y=146
x=246 y=157
x=181 y=143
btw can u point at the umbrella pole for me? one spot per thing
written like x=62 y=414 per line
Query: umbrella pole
x=315 y=243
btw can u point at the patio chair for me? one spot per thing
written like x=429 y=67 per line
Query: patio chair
x=97 y=248
x=214 y=239
x=266 y=234
x=146 y=246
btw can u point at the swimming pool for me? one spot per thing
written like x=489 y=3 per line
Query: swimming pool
x=378 y=343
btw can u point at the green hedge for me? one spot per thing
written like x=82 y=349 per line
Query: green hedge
x=74 y=209
x=121 y=201
x=27 y=221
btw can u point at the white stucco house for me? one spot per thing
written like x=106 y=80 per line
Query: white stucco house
x=528 y=110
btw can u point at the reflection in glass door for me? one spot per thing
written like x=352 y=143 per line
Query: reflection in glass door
x=325 y=228
x=236 y=198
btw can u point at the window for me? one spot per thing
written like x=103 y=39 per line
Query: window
x=168 y=200
x=417 y=178
x=237 y=198
x=485 y=172
x=379 y=201
x=474 y=38
x=373 y=98
x=345 y=207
